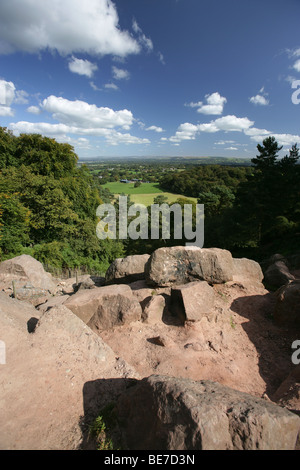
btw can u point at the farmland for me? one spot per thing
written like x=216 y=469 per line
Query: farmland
x=144 y=194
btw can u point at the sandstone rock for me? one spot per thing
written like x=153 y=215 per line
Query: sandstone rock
x=154 y=309
x=180 y=265
x=105 y=307
x=31 y=294
x=287 y=307
x=278 y=274
x=24 y=269
x=16 y=314
x=89 y=282
x=244 y=268
x=192 y=301
x=167 y=413
x=54 y=379
x=288 y=393
x=53 y=302
x=141 y=291
x=126 y=270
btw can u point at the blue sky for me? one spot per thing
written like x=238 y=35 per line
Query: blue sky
x=152 y=77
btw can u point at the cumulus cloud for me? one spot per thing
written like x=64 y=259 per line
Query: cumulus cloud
x=120 y=74
x=155 y=129
x=9 y=95
x=6 y=111
x=214 y=104
x=78 y=118
x=68 y=26
x=259 y=100
x=34 y=110
x=188 y=131
x=228 y=123
x=83 y=115
x=82 y=67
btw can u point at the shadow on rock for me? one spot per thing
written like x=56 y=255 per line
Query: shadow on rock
x=99 y=398
x=273 y=343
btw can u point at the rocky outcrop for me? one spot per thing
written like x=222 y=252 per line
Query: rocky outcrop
x=127 y=270
x=25 y=269
x=192 y=301
x=43 y=385
x=105 y=307
x=287 y=307
x=167 y=413
x=53 y=302
x=180 y=265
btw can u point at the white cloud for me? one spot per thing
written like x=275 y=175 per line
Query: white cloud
x=21 y=97
x=215 y=104
x=186 y=131
x=155 y=129
x=6 y=111
x=224 y=142
x=82 y=67
x=227 y=123
x=87 y=116
x=7 y=93
x=67 y=26
x=78 y=118
x=94 y=86
x=143 y=40
x=117 y=138
x=34 y=110
x=253 y=131
x=120 y=74
x=259 y=100
x=161 y=58
x=231 y=148
x=296 y=65
x=111 y=86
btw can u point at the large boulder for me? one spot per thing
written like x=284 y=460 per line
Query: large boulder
x=287 y=307
x=244 y=268
x=25 y=269
x=179 y=265
x=278 y=274
x=168 y=413
x=192 y=301
x=103 y=308
x=126 y=270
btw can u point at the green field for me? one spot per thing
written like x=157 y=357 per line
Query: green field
x=144 y=194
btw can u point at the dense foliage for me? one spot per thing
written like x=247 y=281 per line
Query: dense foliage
x=48 y=205
x=263 y=216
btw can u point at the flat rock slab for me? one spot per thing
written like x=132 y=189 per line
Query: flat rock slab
x=179 y=265
x=168 y=413
x=192 y=301
x=103 y=308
